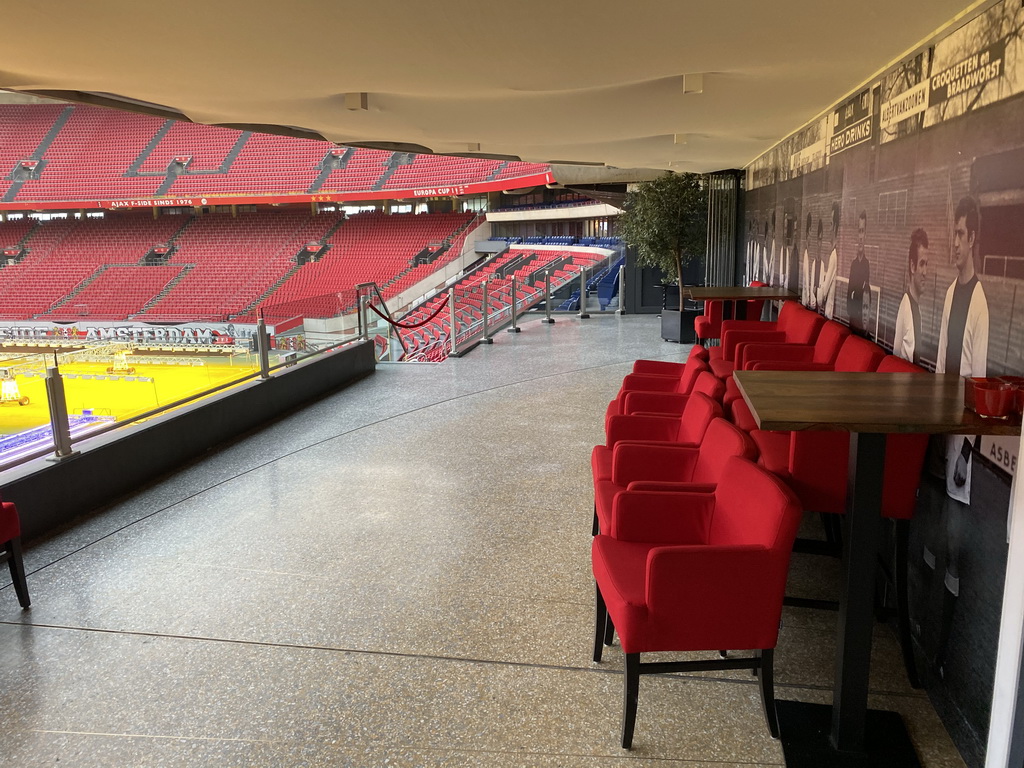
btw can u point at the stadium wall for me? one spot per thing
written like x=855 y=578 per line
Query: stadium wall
x=53 y=494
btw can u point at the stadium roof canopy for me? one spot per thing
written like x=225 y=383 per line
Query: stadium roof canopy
x=542 y=80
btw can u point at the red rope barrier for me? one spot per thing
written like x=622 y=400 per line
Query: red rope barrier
x=410 y=326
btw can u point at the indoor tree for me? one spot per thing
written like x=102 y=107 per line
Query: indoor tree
x=665 y=220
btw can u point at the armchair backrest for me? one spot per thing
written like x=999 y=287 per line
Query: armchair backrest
x=752 y=506
x=698 y=413
x=830 y=341
x=709 y=384
x=858 y=354
x=789 y=311
x=693 y=369
x=721 y=442
x=802 y=325
x=713 y=311
x=894 y=364
x=698 y=352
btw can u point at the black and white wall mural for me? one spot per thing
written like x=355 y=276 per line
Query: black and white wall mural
x=901 y=213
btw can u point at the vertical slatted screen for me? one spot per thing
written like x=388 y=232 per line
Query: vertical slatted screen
x=725 y=203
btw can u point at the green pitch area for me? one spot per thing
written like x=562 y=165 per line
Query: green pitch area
x=149 y=386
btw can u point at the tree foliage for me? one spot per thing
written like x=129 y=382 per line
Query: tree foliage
x=666 y=220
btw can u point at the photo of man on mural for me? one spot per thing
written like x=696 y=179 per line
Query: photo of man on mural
x=908 y=318
x=858 y=290
x=827 y=286
x=963 y=348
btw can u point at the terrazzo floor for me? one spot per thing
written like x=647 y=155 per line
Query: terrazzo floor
x=396 y=575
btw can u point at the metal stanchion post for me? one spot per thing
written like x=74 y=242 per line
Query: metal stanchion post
x=263 y=344
x=487 y=310
x=583 y=294
x=515 y=328
x=547 y=297
x=451 y=307
x=364 y=325
x=622 y=289
x=58 y=413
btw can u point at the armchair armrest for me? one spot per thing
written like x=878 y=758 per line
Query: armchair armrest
x=651 y=428
x=658 y=517
x=748 y=325
x=654 y=402
x=788 y=365
x=659 y=367
x=654 y=485
x=662 y=462
x=649 y=382
x=732 y=338
x=753 y=352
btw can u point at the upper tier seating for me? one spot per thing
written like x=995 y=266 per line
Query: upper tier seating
x=102 y=154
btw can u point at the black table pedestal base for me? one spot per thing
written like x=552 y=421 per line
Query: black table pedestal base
x=805 y=739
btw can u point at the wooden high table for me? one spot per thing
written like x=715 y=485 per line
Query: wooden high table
x=737 y=295
x=869 y=406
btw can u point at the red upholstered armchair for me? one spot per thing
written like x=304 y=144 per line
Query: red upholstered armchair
x=672 y=402
x=708 y=575
x=667 y=367
x=709 y=325
x=689 y=428
x=640 y=466
x=10 y=535
x=856 y=355
x=680 y=383
x=821 y=355
x=796 y=325
x=815 y=465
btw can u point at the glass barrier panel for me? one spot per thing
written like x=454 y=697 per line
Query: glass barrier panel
x=120 y=382
x=24 y=408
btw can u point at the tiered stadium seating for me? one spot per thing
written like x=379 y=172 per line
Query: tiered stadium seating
x=22 y=128
x=63 y=254
x=101 y=154
x=88 y=158
x=368 y=247
x=237 y=259
x=117 y=292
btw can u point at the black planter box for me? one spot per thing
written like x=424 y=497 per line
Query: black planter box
x=678 y=326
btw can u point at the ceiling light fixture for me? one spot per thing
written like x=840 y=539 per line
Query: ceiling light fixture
x=693 y=83
x=355 y=102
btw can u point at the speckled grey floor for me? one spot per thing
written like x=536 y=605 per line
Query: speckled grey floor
x=396 y=575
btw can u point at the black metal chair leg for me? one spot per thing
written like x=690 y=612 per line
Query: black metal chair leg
x=631 y=691
x=609 y=631
x=17 y=566
x=596 y=527
x=766 y=677
x=900 y=586
x=600 y=622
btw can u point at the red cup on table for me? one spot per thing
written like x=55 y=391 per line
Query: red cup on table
x=993 y=398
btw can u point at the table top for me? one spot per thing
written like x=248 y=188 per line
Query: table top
x=865 y=402
x=737 y=292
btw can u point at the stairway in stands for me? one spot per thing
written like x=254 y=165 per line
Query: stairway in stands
x=40 y=150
